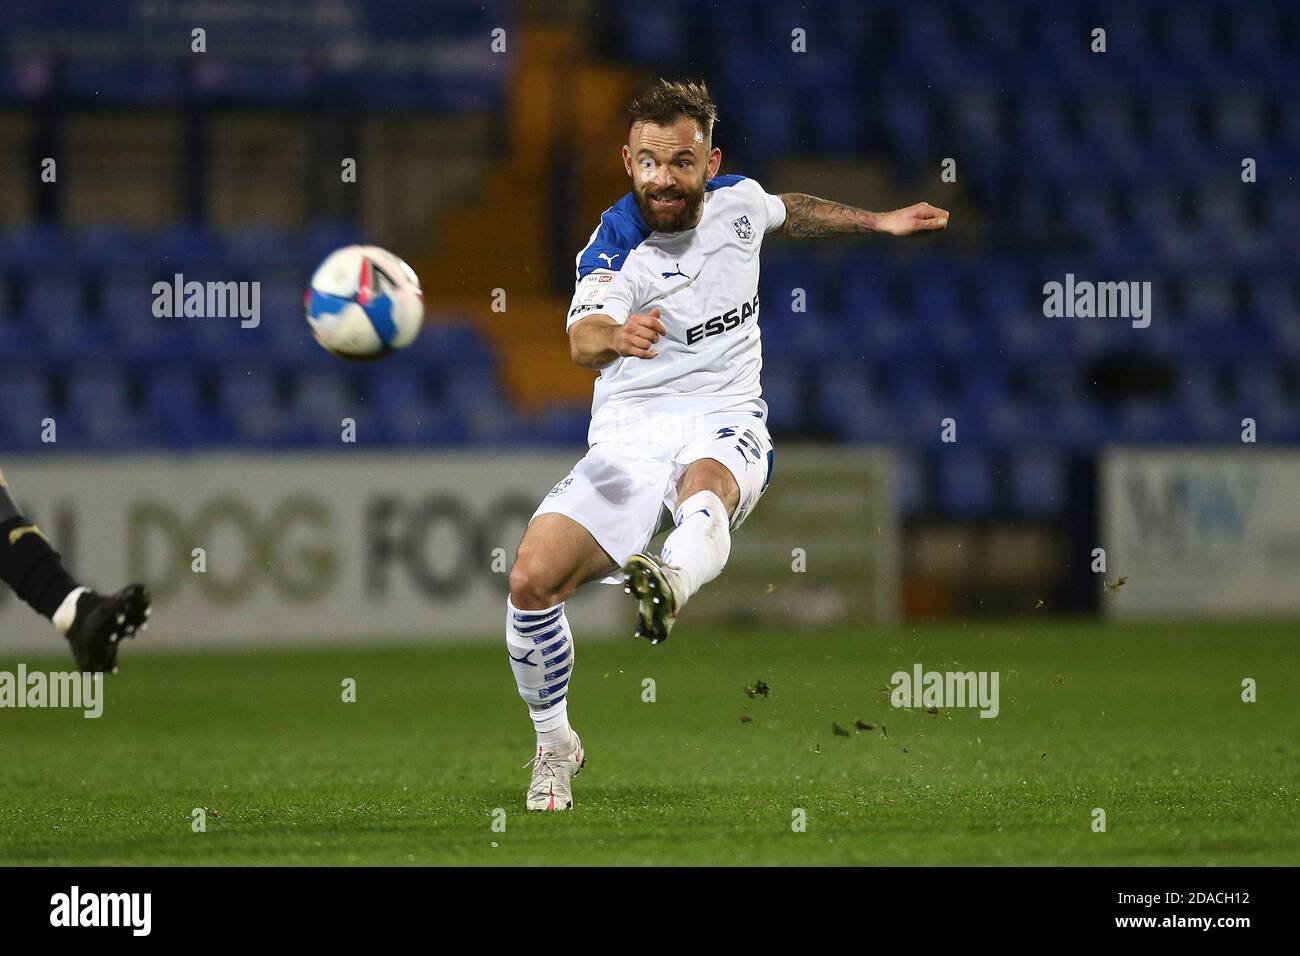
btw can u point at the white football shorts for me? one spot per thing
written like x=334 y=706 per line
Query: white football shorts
x=619 y=489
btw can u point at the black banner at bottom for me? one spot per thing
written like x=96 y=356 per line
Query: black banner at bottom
x=331 y=905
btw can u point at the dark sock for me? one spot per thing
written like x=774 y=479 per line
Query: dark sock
x=29 y=565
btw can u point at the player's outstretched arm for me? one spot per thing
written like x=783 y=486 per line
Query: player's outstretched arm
x=807 y=217
x=598 y=340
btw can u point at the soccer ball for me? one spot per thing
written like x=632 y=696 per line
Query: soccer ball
x=364 y=303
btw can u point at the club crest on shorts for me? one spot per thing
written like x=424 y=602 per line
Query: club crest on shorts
x=743 y=228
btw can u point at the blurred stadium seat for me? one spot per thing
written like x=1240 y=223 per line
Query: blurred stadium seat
x=1133 y=170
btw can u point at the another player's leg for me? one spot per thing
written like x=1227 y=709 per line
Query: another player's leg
x=693 y=554
x=556 y=556
x=92 y=623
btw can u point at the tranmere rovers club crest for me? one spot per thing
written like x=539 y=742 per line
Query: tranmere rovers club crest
x=563 y=483
x=743 y=228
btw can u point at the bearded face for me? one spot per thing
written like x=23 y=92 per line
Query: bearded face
x=670 y=209
x=670 y=165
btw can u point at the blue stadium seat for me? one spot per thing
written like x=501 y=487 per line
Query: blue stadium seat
x=98 y=402
x=781 y=275
x=1003 y=291
x=109 y=247
x=69 y=335
x=979 y=117
x=1255 y=39
x=283 y=329
x=448 y=342
x=496 y=423
x=783 y=392
x=463 y=389
x=1108 y=117
x=1261 y=392
x=173 y=399
x=837 y=127
x=907 y=122
x=885 y=335
x=18 y=339
x=564 y=425
x=126 y=316
x=1238 y=121
x=26 y=401
x=658 y=33
x=1200 y=397
x=1089 y=212
x=256 y=247
x=250 y=404
x=1150 y=422
x=770 y=118
x=220 y=337
x=29 y=248
x=853 y=407
x=127 y=296
x=956 y=336
x=817 y=337
x=53 y=311
x=1175 y=127
x=321 y=399
x=864 y=288
x=52 y=295
x=778 y=333
x=1128 y=172
x=1079 y=424
x=322 y=237
x=403 y=410
x=183 y=248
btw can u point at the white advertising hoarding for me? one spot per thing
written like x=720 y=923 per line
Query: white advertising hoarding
x=246 y=549
x=1202 y=532
x=294 y=547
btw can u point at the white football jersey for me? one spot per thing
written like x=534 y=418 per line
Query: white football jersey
x=705 y=283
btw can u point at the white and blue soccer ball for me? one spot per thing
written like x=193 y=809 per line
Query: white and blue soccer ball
x=364 y=303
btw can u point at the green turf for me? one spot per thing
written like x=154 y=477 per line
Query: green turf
x=1143 y=721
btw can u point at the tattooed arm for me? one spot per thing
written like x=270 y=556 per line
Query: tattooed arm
x=807 y=217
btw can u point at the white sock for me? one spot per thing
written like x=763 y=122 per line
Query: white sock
x=66 y=615
x=701 y=543
x=541 y=655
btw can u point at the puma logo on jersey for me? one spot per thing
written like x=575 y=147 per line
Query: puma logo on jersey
x=608 y=258
x=17 y=533
x=722 y=323
x=679 y=272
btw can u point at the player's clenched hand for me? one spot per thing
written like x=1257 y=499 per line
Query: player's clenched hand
x=637 y=336
x=921 y=217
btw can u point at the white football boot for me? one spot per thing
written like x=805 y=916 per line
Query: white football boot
x=657 y=594
x=551 y=788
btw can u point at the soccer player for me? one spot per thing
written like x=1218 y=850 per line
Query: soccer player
x=666 y=307
x=93 y=624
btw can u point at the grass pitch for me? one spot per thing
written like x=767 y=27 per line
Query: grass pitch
x=1146 y=722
